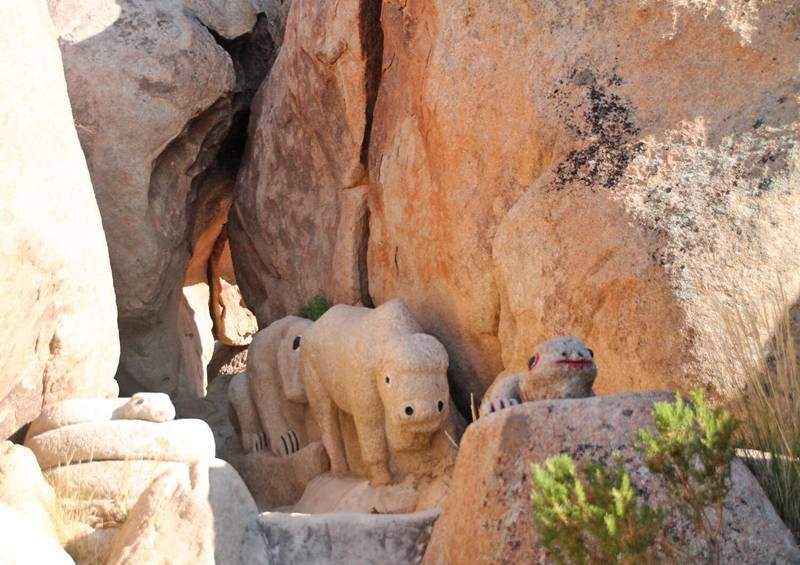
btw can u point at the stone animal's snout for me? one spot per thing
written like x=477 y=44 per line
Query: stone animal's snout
x=422 y=411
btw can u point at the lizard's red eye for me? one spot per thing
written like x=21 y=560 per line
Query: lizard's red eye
x=532 y=361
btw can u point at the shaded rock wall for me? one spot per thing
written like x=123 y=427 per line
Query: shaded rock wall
x=58 y=319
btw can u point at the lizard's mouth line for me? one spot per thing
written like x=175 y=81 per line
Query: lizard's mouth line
x=573 y=362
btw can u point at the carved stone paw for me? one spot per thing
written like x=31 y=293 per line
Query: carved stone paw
x=499 y=404
x=287 y=443
x=257 y=442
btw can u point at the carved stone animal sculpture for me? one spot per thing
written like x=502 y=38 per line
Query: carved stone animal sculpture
x=562 y=367
x=269 y=403
x=377 y=366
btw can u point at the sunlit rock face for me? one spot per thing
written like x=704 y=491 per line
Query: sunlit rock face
x=611 y=170
x=58 y=319
x=152 y=97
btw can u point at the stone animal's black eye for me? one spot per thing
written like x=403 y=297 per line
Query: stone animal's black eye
x=140 y=401
x=591 y=353
x=296 y=343
x=388 y=380
x=532 y=361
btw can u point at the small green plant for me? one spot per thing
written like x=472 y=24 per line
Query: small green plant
x=315 y=308
x=594 y=515
x=590 y=514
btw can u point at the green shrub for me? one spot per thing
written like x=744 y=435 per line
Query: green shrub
x=315 y=308
x=590 y=515
x=594 y=515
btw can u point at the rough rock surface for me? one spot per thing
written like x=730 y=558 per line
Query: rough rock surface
x=339 y=538
x=179 y=440
x=168 y=524
x=303 y=152
x=22 y=545
x=487 y=516
x=229 y=18
x=23 y=489
x=59 y=334
x=151 y=92
x=536 y=172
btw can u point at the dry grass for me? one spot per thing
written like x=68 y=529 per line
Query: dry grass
x=83 y=517
x=760 y=346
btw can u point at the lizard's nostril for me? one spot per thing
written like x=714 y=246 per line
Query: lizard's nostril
x=440 y=405
x=409 y=411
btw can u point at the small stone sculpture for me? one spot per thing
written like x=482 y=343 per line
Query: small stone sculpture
x=562 y=367
x=376 y=366
x=268 y=403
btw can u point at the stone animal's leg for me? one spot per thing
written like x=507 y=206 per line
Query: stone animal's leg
x=243 y=415
x=325 y=413
x=504 y=393
x=374 y=452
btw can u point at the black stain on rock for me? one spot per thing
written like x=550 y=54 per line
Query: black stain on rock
x=606 y=128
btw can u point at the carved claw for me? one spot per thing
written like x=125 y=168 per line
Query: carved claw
x=499 y=404
x=290 y=442
x=258 y=442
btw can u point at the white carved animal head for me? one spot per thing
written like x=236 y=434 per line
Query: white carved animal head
x=413 y=383
x=289 y=360
x=562 y=367
x=149 y=406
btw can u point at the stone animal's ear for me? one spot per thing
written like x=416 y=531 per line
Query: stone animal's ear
x=533 y=361
x=296 y=343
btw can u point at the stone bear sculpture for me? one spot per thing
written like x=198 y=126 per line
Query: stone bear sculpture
x=268 y=403
x=378 y=367
x=562 y=367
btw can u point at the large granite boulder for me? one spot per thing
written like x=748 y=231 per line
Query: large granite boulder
x=487 y=517
x=306 y=150
x=151 y=91
x=59 y=334
x=607 y=169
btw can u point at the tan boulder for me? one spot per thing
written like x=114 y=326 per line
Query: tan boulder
x=487 y=517
x=151 y=92
x=24 y=490
x=178 y=440
x=59 y=334
x=168 y=524
x=199 y=516
x=304 y=153
x=537 y=172
x=235 y=324
x=23 y=545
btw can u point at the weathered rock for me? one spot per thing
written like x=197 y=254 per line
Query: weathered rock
x=90 y=546
x=276 y=12
x=149 y=406
x=303 y=153
x=229 y=18
x=227 y=362
x=609 y=204
x=487 y=516
x=185 y=517
x=59 y=334
x=151 y=89
x=179 y=440
x=327 y=493
x=339 y=538
x=278 y=481
x=169 y=524
x=23 y=545
x=235 y=324
x=24 y=490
